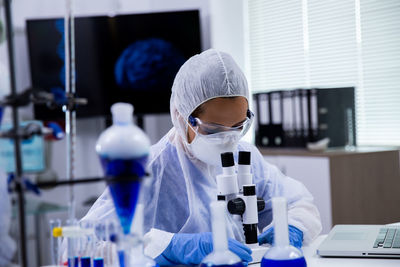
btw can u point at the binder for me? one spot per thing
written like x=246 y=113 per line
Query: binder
x=298 y=123
x=332 y=105
x=263 y=119
x=264 y=114
x=276 y=107
x=313 y=114
x=288 y=119
x=275 y=129
x=292 y=118
x=304 y=114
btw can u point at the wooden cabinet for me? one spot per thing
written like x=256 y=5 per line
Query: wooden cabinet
x=349 y=187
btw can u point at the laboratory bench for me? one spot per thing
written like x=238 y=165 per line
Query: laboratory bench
x=313 y=260
x=357 y=186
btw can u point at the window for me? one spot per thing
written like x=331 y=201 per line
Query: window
x=313 y=43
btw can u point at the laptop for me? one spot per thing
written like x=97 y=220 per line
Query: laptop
x=381 y=241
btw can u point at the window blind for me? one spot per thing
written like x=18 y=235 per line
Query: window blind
x=313 y=43
x=378 y=104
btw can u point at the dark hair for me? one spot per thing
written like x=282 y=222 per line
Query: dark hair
x=200 y=109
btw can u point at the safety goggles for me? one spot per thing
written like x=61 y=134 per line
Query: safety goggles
x=205 y=128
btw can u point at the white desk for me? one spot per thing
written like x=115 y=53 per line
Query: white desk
x=314 y=260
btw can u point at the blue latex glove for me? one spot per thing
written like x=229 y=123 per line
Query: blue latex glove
x=190 y=249
x=295 y=236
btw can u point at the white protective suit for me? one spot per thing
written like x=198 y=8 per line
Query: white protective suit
x=178 y=195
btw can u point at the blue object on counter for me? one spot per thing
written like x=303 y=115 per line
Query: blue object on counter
x=298 y=262
x=239 y=264
x=85 y=262
x=76 y=262
x=98 y=262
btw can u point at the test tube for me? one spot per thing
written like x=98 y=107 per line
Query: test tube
x=86 y=243
x=100 y=233
x=73 y=259
x=55 y=243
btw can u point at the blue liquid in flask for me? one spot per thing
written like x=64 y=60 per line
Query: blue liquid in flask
x=76 y=262
x=238 y=264
x=298 y=262
x=125 y=193
x=85 y=262
x=98 y=262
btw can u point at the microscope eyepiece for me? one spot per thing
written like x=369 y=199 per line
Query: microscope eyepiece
x=227 y=159
x=249 y=190
x=244 y=157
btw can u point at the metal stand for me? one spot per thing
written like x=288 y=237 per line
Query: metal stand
x=17 y=140
x=33 y=95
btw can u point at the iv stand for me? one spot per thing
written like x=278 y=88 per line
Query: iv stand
x=70 y=113
x=70 y=116
x=17 y=139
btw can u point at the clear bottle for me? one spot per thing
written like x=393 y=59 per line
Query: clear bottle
x=123 y=149
x=282 y=254
x=221 y=255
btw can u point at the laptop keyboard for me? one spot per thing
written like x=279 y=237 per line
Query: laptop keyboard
x=388 y=238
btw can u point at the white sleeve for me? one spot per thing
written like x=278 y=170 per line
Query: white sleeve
x=156 y=241
x=305 y=216
x=103 y=209
x=302 y=213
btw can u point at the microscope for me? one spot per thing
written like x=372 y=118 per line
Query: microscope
x=236 y=188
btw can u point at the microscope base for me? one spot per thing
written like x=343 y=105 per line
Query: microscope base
x=258 y=252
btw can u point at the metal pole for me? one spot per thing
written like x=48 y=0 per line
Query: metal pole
x=17 y=139
x=70 y=115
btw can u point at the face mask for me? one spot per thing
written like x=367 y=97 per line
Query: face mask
x=208 y=148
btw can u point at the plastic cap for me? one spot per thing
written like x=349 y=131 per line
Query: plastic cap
x=244 y=157
x=122 y=113
x=57 y=231
x=227 y=159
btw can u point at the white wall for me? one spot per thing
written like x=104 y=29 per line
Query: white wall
x=228 y=28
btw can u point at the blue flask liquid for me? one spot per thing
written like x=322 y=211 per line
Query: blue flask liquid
x=239 y=264
x=282 y=254
x=98 y=262
x=123 y=149
x=298 y=262
x=75 y=262
x=124 y=185
x=85 y=262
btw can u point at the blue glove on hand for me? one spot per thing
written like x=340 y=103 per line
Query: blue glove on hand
x=295 y=236
x=190 y=249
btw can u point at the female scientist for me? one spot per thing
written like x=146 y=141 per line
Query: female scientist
x=210 y=112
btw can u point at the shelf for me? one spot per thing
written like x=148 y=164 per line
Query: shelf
x=35 y=207
x=330 y=152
